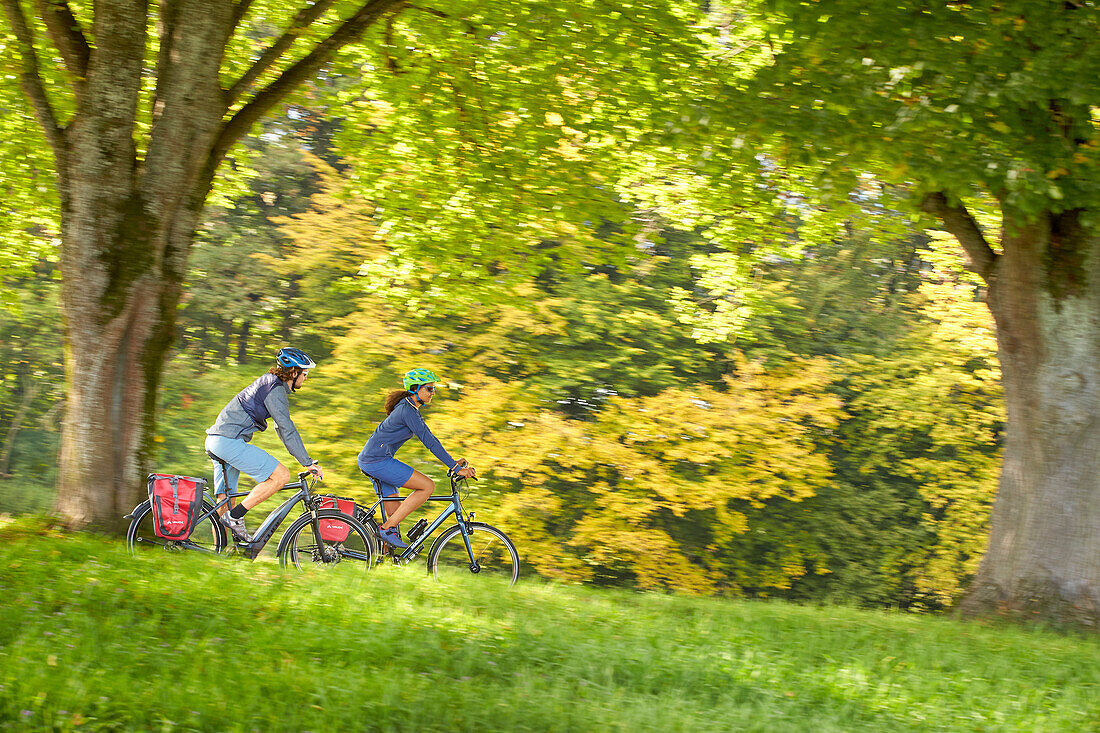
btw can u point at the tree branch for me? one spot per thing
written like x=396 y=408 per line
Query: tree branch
x=305 y=17
x=65 y=32
x=349 y=31
x=470 y=27
x=32 y=82
x=957 y=220
x=169 y=15
x=387 y=44
x=432 y=11
x=239 y=11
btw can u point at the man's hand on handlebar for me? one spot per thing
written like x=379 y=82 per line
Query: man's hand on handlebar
x=317 y=471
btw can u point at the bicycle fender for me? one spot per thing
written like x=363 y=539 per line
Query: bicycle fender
x=135 y=510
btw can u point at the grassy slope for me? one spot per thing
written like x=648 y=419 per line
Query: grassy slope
x=93 y=639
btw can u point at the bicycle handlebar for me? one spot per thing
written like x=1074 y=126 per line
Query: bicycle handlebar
x=452 y=473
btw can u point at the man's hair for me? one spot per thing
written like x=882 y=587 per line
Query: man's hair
x=284 y=373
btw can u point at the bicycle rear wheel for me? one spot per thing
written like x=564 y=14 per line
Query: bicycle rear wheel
x=494 y=554
x=300 y=548
x=208 y=535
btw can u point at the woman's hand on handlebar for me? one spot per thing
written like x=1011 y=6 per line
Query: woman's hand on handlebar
x=463 y=469
x=317 y=471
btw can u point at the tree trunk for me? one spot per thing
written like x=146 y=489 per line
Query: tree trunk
x=113 y=369
x=225 y=341
x=242 y=342
x=126 y=228
x=1043 y=559
x=30 y=391
x=128 y=217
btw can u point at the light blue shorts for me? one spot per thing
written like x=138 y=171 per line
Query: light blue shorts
x=242 y=457
x=391 y=473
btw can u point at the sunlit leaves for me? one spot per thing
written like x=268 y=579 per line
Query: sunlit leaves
x=932 y=412
x=646 y=469
x=29 y=220
x=496 y=126
x=952 y=96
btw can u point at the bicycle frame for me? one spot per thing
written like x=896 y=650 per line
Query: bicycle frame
x=267 y=528
x=455 y=509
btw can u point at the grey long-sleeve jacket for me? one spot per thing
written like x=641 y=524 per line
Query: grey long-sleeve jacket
x=247 y=413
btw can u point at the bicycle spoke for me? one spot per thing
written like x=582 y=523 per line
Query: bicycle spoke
x=351 y=554
x=493 y=553
x=206 y=537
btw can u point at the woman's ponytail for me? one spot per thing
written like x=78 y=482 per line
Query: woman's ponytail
x=394 y=397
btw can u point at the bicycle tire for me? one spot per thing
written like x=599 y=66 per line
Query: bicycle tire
x=494 y=551
x=208 y=536
x=298 y=546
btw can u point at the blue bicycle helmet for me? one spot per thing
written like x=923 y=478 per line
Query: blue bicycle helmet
x=291 y=357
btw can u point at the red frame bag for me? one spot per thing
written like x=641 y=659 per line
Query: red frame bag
x=176 y=503
x=335 y=530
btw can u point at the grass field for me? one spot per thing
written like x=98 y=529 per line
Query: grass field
x=93 y=639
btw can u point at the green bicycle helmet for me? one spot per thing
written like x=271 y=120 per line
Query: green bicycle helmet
x=417 y=377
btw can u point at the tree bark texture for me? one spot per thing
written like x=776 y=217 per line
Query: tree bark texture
x=1043 y=558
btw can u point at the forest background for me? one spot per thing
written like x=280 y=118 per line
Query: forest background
x=821 y=423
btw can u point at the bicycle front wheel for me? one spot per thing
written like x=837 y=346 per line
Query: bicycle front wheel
x=301 y=548
x=208 y=535
x=491 y=554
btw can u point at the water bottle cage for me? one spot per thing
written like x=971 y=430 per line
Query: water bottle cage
x=417 y=530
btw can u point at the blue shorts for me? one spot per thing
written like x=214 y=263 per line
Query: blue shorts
x=390 y=473
x=242 y=457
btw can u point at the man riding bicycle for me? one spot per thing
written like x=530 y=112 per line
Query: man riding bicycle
x=247 y=413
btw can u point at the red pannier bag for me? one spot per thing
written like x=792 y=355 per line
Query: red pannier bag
x=335 y=530
x=176 y=502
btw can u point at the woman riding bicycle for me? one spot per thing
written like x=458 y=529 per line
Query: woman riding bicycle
x=402 y=422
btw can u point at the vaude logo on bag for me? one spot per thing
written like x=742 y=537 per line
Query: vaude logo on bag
x=334 y=530
x=175 y=522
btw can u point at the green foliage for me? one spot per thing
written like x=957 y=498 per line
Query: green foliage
x=29 y=217
x=802 y=470
x=971 y=99
x=931 y=414
x=30 y=391
x=236 y=294
x=490 y=129
x=506 y=216
x=387 y=652
x=917 y=454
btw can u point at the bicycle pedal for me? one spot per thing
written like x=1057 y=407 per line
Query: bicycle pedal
x=241 y=550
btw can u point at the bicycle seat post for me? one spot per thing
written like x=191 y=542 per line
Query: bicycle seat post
x=225 y=473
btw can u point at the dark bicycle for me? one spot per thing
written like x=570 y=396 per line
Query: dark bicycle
x=303 y=545
x=466 y=547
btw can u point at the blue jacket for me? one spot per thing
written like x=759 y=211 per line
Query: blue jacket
x=404 y=422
